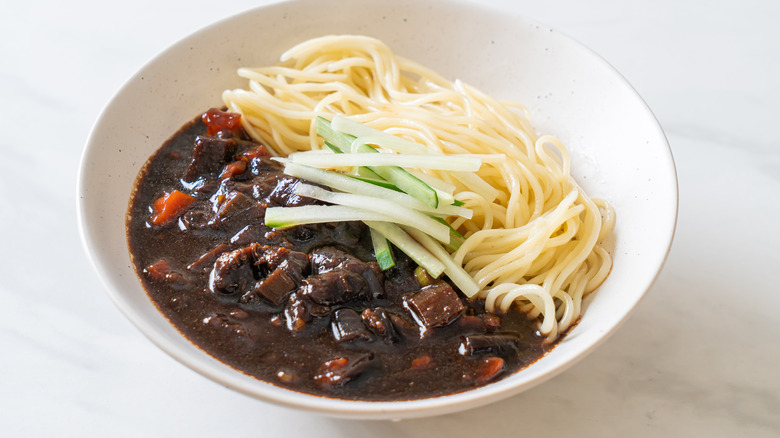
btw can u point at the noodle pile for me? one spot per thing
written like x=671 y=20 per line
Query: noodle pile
x=534 y=239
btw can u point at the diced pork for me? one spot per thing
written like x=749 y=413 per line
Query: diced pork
x=436 y=305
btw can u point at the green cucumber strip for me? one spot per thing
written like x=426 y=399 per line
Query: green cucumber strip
x=285 y=217
x=344 y=183
x=458 y=203
x=435 y=183
x=333 y=147
x=404 y=180
x=395 y=212
x=376 y=182
x=409 y=246
x=336 y=138
x=365 y=174
x=454 y=271
x=382 y=251
x=409 y=184
x=453 y=231
x=444 y=197
x=456 y=239
x=443 y=189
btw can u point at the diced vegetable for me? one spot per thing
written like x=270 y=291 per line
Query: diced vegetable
x=168 y=207
x=232 y=169
x=490 y=367
x=422 y=276
x=382 y=251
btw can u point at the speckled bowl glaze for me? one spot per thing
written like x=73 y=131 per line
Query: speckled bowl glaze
x=619 y=152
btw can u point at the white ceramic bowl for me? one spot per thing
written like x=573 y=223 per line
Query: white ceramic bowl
x=619 y=152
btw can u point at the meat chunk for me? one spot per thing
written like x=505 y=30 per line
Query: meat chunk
x=270 y=272
x=404 y=327
x=482 y=323
x=234 y=202
x=286 y=267
x=329 y=260
x=347 y=234
x=233 y=272
x=495 y=344
x=348 y=326
x=435 y=305
x=296 y=313
x=207 y=258
x=342 y=370
x=334 y=287
x=379 y=323
x=209 y=156
x=276 y=286
x=234 y=222
x=295 y=263
x=198 y=216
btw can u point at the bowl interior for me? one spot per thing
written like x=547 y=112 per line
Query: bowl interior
x=618 y=152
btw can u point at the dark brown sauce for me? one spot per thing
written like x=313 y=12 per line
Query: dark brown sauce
x=174 y=263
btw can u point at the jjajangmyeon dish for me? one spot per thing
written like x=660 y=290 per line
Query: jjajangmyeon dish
x=354 y=225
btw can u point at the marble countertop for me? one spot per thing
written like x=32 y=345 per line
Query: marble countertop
x=699 y=357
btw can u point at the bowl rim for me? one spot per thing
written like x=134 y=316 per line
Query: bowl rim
x=355 y=408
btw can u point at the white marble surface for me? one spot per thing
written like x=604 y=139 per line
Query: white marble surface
x=700 y=357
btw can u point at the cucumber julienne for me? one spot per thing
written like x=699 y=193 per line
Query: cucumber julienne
x=400 y=205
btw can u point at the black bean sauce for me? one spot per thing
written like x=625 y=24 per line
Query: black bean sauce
x=305 y=308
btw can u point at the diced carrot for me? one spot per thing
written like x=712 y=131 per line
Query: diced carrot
x=490 y=368
x=168 y=207
x=330 y=371
x=232 y=169
x=422 y=362
x=159 y=270
x=258 y=152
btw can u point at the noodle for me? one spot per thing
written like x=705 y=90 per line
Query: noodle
x=533 y=241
